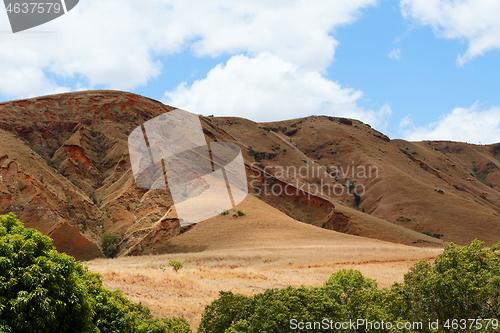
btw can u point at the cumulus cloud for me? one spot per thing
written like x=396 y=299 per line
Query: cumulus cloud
x=471 y=125
x=395 y=54
x=267 y=88
x=475 y=21
x=116 y=43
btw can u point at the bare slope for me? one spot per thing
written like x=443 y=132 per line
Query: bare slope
x=65 y=159
x=445 y=189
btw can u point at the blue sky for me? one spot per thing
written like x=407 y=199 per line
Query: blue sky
x=414 y=69
x=425 y=82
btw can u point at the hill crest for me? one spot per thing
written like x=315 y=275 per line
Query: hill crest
x=65 y=168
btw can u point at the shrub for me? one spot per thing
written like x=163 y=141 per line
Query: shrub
x=482 y=178
x=176 y=265
x=357 y=199
x=93 y=198
x=239 y=214
x=109 y=240
x=428 y=233
x=42 y=290
x=252 y=152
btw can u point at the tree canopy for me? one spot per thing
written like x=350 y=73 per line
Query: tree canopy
x=42 y=290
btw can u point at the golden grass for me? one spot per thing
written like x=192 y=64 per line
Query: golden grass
x=249 y=271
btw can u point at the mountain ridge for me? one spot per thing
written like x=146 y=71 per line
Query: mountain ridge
x=66 y=171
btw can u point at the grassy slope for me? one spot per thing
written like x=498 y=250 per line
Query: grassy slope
x=263 y=249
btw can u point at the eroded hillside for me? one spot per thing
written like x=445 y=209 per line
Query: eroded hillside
x=65 y=170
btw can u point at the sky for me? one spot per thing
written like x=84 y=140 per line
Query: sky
x=413 y=69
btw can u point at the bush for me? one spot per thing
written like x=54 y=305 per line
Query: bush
x=176 y=265
x=109 y=242
x=428 y=233
x=357 y=199
x=42 y=290
x=252 y=152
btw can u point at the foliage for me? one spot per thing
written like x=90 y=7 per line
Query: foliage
x=176 y=264
x=347 y=294
x=252 y=151
x=463 y=283
x=42 y=290
x=482 y=178
x=109 y=242
x=239 y=214
x=357 y=199
x=93 y=198
x=428 y=233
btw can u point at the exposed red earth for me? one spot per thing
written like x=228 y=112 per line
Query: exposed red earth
x=65 y=170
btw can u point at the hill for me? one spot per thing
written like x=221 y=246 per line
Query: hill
x=65 y=170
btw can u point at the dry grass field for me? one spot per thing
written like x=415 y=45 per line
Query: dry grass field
x=263 y=249
x=188 y=291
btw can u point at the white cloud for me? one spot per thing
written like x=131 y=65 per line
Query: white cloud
x=114 y=43
x=395 y=54
x=267 y=88
x=475 y=21
x=471 y=125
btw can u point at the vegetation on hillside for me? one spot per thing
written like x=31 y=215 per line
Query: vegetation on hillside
x=42 y=290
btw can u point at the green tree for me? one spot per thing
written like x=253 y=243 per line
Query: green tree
x=223 y=312
x=346 y=295
x=109 y=242
x=463 y=283
x=42 y=290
